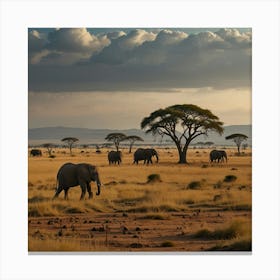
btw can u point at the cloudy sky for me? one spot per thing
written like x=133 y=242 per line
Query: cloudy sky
x=113 y=78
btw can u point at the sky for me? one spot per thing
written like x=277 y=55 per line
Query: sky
x=113 y=78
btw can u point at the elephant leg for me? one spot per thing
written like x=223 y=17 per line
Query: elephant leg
x=66 y=193
x=84 y=189
x=58 y=191
x=90 y=194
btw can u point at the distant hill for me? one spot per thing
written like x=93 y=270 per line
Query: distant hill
x=41 y=135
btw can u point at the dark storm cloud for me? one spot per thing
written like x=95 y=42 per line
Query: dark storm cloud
x=76 y=60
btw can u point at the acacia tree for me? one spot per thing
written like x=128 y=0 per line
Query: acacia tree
x=237 y=138
x=49 y=147
x=182 y=123
x=132 y=139
x=70 y=141
x=116 y=138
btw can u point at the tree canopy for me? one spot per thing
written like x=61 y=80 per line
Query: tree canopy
x=49 y=147
x=237 y=138
x=70 y=142
x=116 y=138
x=132 y=139
x=182 y=123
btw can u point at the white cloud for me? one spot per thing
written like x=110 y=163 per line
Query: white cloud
x=135 y=38
x=115 y=34
x=141 y=60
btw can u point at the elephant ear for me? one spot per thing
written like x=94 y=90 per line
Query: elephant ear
x=92 y=170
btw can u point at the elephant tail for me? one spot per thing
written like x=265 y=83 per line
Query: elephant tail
x=56 y=187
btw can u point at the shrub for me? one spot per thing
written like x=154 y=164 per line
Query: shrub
x=232 y=231
x=230 y=178
x=204 y=165
x=195 y=185
x=153 y=217
x=52 y=156
x=217 y=197
x=136 y=245
x=167 y=244
x=218 y=185
x=242 y=245
x=153 y=178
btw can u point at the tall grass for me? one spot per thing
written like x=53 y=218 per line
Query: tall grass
x=130 y=191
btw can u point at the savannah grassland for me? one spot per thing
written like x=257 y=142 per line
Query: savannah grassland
x=191 y=207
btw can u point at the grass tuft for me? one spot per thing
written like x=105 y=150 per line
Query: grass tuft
x=195 y=185
x=230 y=178
x=152 y=178
x=167 y=244
x=230 y=232
x=241 y=245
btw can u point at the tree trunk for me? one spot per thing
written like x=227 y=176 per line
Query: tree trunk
x=130 y=148
x=182 y=157
x=182 y=154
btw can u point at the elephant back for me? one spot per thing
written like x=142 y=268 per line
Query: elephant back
x=139 y=154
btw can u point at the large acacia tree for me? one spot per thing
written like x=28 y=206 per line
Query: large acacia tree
x=182 y=123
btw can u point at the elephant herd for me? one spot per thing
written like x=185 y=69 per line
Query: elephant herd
x=70 y=175
x=139 y=155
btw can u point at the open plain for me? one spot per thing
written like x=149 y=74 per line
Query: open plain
x=199 y=206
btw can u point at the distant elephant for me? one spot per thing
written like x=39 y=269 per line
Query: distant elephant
x=223 y=155
x=71 y=175
x=36 y=153
x=145 y=154
x=218 y=156
x=115 y=157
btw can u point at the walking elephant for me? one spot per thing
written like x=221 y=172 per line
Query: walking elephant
x=71 y=175
x=145 y=154
x=36 y=153
x=115 y=157
x=218 y=156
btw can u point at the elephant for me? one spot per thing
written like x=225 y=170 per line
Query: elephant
x=71 y=175
x=145 y=154
x=219 y=156
x=36 y=153
x=115 y=157
x=223 y=155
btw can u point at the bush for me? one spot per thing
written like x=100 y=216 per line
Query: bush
x=153 y=178
x=195 y=185
x=167 y=244
x=218 y=185
x=230 y=178
x=52 y=156
x=153 y=217
x=233 y=231
x=242 y=245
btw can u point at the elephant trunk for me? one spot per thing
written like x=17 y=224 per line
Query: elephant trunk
x=98 y=183
x=156 y=156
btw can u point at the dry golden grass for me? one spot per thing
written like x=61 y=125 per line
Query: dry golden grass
x=126 y=190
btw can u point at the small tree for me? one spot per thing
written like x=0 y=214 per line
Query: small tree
x=116 y=138
x=182 y=123
x=132 y=139
x=237 y=138
x=70 y=142
x=49 y=147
